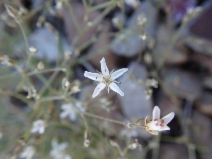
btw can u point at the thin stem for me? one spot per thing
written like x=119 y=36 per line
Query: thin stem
x=26 y=42
x=25 y=37
x=102 y=5
x=106 y=119
x=157 y=148
x=191 y=151
x=75 y=21
x=51 y=98
x=45 y=71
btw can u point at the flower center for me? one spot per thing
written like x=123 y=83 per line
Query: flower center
x=159 y=122
x=107 y=80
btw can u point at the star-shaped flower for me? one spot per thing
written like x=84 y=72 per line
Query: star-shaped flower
x=28 y=152
x=156 y=124
x=106 y=79
x=38 y=126
x=58 y=150
x=70 y=111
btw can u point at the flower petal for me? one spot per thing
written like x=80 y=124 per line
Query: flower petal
x=152 y=126
x=98 y=88
x=116 y=89
x=54 y=143
x=156 y=113
x=104 y=68
x=63 y=114
x=164 y=128
x=168 y=118
x=118 y=73
x=41 y=130
x=93 y=76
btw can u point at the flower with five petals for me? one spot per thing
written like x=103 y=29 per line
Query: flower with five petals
x=106 y=79
x=156 y=124
x=38 y=126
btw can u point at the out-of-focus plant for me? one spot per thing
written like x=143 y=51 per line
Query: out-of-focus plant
x=45 y=130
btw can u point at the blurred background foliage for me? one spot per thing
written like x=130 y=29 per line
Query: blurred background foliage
x=46 y=45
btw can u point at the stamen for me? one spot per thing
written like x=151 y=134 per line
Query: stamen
x=111 y=71
x=98 y=72
x=116 y=82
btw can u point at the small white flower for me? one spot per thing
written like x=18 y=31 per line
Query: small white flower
x=28 y=152
x=133 y=3
x=152 y=83
x=38 y=126
x=58 y=150
x=156 y=124
x=129 y=133
x=70 y=111
x=106 y=79
x=1 y=135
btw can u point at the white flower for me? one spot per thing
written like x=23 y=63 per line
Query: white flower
x=58 y=150
x=156 y=124
x=28 y=152
x=38 y=126
x=152 y=83
x=133 y=3
x=129 y=133
x=70 y=111
x=1 y=135
x=106 y=79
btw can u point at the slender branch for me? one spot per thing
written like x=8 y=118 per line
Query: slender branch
x=45 y=71
x=106 y=119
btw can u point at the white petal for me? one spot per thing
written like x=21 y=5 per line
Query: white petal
x=41 y=130
x=67 y=157
x=168 y=118
x=116 y=89
x=156 y=113
x=164 y=128
x=73 y=115
x=93 y=76
x=104 y=68
x=34 y=130
x=152 y=126
x=65 y=106
x=54 y=143
x=63 y=146
x=63 y=114
x=98 y=88
x=118 y=73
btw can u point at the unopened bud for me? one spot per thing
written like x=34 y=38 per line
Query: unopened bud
x=41 y=21
x=148 y=58
x=32 y=50
x=87 y=137
x=143 y=36
x=148 y=93
x=89 y=24
x=134 y=145
x=65 y=83
x=113 y=143
x=40 y=65
x=86 y=143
